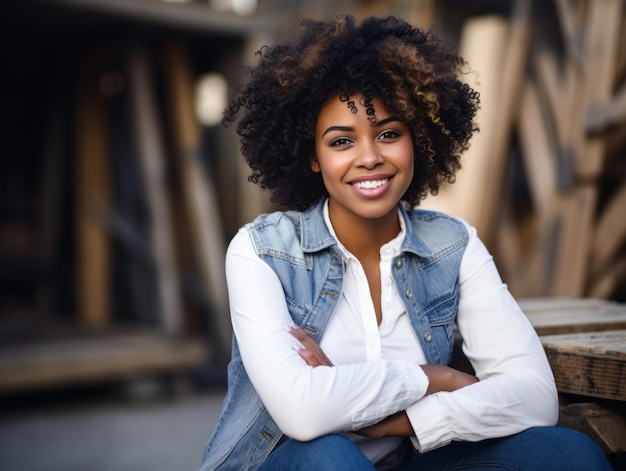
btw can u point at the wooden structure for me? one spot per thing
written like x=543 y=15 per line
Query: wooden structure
x=545 y=180
x=97 y=358
x=585 y=341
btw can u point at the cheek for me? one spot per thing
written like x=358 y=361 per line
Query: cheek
x=409 y=158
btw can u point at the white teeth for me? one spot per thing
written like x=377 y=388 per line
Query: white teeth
x=371 y=183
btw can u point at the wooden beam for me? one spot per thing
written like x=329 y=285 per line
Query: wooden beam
x=581 y=158
x=602 y=115
x=604 y=425
x=200 y=197
x=154 y=172
x=539 y=152
x=190 y=16
x=568 y=13
x=602 y=35
x=589 y=364
x=483 y=44
x=553 y=316
x=609 y=279
x=515 y=60
x=574 y=235
x=610 y=233
x=95 y=359
x=93 y=182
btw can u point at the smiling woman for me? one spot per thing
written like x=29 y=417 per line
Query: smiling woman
x=345 y=307
x=366 y=163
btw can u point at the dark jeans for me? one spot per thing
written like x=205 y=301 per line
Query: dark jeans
x=536 y=449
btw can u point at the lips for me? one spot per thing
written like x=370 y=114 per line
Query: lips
x=370 y=184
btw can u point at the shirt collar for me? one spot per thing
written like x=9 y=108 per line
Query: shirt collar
x=317 y=232
x=394 y=244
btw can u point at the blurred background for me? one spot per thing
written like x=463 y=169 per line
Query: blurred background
x=120 y=189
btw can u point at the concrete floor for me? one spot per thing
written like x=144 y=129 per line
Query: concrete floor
x=103 y=434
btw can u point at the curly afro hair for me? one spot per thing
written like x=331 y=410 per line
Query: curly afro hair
x=412 y=72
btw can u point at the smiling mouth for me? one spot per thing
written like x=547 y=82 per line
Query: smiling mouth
x=370 y=184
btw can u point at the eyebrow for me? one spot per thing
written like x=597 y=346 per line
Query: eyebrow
x=377 y=124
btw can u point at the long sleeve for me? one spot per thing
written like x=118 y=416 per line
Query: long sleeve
x=306 y=402
x=516 y=388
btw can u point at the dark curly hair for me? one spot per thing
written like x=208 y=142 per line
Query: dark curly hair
x=412 y=72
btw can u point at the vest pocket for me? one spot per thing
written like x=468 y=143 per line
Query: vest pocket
x=441 y=318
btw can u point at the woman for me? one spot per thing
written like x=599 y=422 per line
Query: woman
x=344 y=307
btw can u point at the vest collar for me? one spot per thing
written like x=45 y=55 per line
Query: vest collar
x=316 y=237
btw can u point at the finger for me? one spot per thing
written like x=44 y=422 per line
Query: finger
x=298 y=332
x=310 y=345
x=308 y=357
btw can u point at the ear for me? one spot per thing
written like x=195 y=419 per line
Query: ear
x=314 y=165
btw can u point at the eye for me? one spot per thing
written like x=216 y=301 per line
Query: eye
x=340 y=142
x=389 y=134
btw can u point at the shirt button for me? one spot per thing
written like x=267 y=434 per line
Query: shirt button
x=408 y=294
x=399 y=263
x=428 y=336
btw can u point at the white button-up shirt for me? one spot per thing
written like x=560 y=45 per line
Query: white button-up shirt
x=377 y=370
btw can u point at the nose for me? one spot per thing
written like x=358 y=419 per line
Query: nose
x=369 y=157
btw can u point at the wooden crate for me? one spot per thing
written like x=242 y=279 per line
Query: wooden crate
x=585 y=342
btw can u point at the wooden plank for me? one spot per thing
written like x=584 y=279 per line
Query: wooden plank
x=483 y=44
x=539 y=152
x=608 y=280
x=600 y=54
x=540 y=156
x=582 y=158
x=93 y=192
x=199 y=195
x=602 y=115
x=620 y=68
x=570 y=28
x=192 y=16
x=135 y=279
x=555 y=88
x=93 y=359
x=565 y=316
x=575 y=223
x=54 y=178
x=511 y=255
x=605 y=426
x=589 y=364
x=610 y=233
x=548 y=304
x=152 y=158
x=518 y=44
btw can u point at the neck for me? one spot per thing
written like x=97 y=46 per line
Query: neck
x=364 y=237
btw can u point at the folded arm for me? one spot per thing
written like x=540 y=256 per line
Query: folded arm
x=306 y=402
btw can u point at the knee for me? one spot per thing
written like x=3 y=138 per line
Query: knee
x=328 y=452
x=570 y=449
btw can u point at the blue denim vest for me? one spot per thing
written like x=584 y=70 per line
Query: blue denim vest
x=307 y=260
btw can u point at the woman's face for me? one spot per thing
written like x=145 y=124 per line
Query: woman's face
x=366 y=166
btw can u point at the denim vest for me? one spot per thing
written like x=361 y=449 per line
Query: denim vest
x=307 y=260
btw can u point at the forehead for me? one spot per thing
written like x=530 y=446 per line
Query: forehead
x=352 y=110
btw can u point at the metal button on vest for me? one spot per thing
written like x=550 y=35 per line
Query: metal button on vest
x=408 y=294
x=428 y=336
x=399 y=263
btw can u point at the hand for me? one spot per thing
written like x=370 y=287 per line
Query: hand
x=312 y=352
x=444 y=378
x=441 y=378
x=396 y=425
